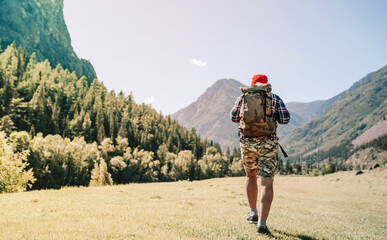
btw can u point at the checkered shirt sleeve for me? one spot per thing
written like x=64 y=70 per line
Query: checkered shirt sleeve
x=280 y=113
x=234 y=114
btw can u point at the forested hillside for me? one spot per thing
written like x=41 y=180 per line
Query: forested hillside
x=72 y=133
x=39 y=27
x=329 y=137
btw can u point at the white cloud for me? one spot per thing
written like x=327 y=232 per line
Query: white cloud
x=149 y=100
x=197 y=62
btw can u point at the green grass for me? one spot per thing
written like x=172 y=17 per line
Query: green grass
x=336 y=206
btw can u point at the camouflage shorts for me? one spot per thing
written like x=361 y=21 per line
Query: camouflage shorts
x=260 y=155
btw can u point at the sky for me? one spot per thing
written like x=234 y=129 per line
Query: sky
x=168 y=52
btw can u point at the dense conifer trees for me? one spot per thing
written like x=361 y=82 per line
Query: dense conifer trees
x=74 y=133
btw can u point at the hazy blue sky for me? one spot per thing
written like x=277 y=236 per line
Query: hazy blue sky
x=168 y=52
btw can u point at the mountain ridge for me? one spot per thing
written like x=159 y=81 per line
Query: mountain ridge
x=355 y=111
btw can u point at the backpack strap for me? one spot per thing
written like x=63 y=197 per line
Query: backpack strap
x=242 y=100
x=264 y=93
x=283 y=151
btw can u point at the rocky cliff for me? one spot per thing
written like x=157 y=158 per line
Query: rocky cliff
x=39 y=26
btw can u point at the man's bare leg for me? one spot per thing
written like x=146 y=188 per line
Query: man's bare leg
x=252 y=189
x=267 y=194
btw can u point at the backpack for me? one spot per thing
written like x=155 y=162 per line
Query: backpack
x=256 y=117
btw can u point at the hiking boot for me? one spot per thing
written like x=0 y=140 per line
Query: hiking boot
x=264 y=231
x=252 y=218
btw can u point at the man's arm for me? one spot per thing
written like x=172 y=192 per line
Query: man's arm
x=234 y=114
x=281 y=114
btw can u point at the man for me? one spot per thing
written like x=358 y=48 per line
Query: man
x=260 y=156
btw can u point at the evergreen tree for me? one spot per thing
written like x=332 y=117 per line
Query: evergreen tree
x=288 y=167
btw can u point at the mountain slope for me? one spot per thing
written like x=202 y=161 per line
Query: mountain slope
x=39 y=26
x=209 y=114
x=375 y=131
x=300 y=113
x=306 y=111
x=358 y=109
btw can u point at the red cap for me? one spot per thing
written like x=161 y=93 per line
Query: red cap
x=259 y=78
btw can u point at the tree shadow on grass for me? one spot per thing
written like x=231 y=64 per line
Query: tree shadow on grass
x=294 y=236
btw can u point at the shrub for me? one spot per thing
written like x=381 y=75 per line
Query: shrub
x=13 y=176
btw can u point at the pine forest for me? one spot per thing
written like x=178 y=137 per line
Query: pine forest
x=58 y=130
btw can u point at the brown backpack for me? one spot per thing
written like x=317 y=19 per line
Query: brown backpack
x=256 y=117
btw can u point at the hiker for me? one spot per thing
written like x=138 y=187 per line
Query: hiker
x=258 y=115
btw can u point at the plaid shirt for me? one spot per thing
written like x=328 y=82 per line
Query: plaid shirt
x=280 y=113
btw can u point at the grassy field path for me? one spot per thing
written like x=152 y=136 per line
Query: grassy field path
x=335 y=206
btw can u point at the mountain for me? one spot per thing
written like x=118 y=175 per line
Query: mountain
x=209 y=114
x=300 y=114
x=353 y=113
x=305 y=111
x=38 y=26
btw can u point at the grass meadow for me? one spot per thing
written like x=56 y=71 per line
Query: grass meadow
x=335 y=206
